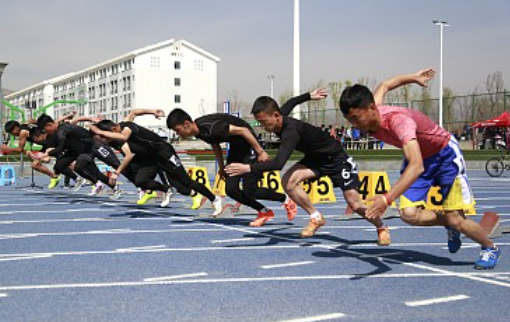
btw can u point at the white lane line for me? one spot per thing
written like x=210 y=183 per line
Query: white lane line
x=287 y=265
x=17 y=258
x=230 y=240
x=3 y=295
x=141 y=248
x=138 y=250
x=173 y=277
x=106 y=232
x=438 y=300
x=381 y=255
x=336 y=249
x=228 y=280
x=324 y=317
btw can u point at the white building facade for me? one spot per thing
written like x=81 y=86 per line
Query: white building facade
x=171 y=74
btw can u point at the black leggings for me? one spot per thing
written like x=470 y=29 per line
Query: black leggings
x=87 y=168
x=62 y=166
x=251 y=192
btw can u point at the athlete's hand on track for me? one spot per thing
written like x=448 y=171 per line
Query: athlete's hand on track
x=423 y=76
x=377 y=207
x=237 y=169
x=263 y=157
x=318 y=94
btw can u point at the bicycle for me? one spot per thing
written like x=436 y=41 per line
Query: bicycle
x=497 y=165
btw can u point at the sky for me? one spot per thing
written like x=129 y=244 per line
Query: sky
x=340 y=39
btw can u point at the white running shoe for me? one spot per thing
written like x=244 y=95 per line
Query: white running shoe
x=97 y=189
x=167 y=197
x=218 y=207
x=116 y=193
x=78 y=184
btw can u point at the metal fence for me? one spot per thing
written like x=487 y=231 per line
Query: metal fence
x=458 y=111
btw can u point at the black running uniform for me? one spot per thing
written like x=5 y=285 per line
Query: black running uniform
x=323 y=154
x=166 y=158
x=214 y=129
x=74 y=143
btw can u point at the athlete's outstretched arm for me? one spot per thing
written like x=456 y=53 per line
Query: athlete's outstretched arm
x=128 y=156
x=412 y=172
x=144 y=111
x=421 y=78
x=288 y=106
x=124 y=135
x=262 y=156
x=66 y=117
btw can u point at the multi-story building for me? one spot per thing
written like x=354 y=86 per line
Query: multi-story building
x=166 y=75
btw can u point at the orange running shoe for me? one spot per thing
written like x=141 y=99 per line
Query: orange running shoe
x=262 y=218
x=383 y=236
x=312 y=227
x=291 y=208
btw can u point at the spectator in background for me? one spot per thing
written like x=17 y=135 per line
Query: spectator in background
x=356 y=137
x=323 y=127
x=162 y=134
x=331 y=131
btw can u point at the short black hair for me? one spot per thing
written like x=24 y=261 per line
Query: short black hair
x=265 y=104
x=43 y=120
x=105 y=125
x=9 y=126
x=177 y=117
x=356 y=96
x=35 y=131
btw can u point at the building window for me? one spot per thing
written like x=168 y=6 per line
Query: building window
x=154 y=61
x=177 y=98
x=177 y=65
x=177 y=81
x=199 y=65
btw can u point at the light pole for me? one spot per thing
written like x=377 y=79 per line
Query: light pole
x=271 y=80
x=2 y=67
x=441 y=25
x=297 y=57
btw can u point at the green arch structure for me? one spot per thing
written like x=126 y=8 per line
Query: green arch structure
x=17 y=112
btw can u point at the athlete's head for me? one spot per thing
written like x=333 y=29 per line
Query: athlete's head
x=180 y=122
x=267 y=113
x=13 y=128
x=37 y=135
x=107 y=125
x=46 y=123
x=358 y=106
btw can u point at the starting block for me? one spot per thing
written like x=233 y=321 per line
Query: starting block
x=491 y=224
x=199 y=174
x=271 y=180
x=435 y=199
x=219 y=186
x=319 y=190
x=7 y=175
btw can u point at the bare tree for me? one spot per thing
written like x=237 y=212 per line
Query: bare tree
x=335 y=90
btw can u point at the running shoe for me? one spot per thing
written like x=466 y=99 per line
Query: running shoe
x=54 y=182
x=291 y=208
x=454 y=241
x=98 y=187
x=218 y=207
x=197 y=201
x=78 y=184
x=488 y=258
x=146 y=197
x=312 y=227
x=116 y=192
x=262 y=218
x=383 y=236
x=166 y=198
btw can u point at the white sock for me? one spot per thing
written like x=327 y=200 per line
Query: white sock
x=315 y=215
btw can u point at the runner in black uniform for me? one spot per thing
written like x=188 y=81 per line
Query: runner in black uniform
x=323 y=155
x=161 y=151
x=74 y=144
x=218 y=128
x=22 y=132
